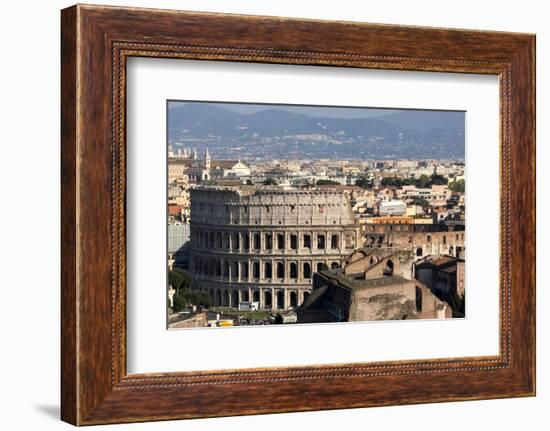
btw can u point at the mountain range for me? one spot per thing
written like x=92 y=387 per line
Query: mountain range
x=411 y=133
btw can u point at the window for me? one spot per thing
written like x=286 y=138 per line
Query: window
x=268 y=273
x=256 y=269
x=307 y=241
x=244 y=269
x=257 y=241
x=321 y=242
x=293 y=241
x=268 y=241
x=281 y=241
x=246 y=241
x=293 y=270
x=280 y=270
x=334 y=242
x=307 y=270
x=388 y=270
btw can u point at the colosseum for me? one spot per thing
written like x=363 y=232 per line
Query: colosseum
x=264 y=244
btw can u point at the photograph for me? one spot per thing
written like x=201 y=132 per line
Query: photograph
x=290 y=214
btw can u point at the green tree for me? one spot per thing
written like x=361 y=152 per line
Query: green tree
x=439 y=180
x=327 y=183
x=270 y=182
x=363 y=182
x=423 y=182
x=179 y=279
x=458 y=186
x=420 y=202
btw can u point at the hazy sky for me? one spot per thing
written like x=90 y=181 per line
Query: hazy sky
x=313 y=111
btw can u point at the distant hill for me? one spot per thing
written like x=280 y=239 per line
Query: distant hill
x=426 y=120
x=419 y=134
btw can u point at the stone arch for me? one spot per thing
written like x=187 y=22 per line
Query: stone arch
x=256 y=269
x=280 y=299
x=419 y=252
x=418 y=297
x=307 y=270
x=268 y=299
x=256 y=295
x=388 y=269
x=234 y=299
x=293 y=270
x=268 y=270
x=293 y=299
x=280 y=270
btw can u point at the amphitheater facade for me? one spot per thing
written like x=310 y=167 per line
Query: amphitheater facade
x=264 y=244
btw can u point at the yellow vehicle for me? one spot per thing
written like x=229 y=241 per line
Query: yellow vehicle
x=226 y=322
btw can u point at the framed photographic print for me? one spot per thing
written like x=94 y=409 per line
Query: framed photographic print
x=268 y=215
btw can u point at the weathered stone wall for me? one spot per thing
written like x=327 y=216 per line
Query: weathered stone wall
x=423 y=240
x=386 y=302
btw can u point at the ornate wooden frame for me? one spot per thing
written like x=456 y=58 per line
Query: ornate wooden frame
x=95 y=42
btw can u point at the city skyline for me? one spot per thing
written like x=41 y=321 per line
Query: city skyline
x=277 y=217
x=309 y=132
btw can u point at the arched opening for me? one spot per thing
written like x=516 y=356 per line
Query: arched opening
x=293 y=299
x=268 y=300
x=334 y=242
x=388 y=269
x=226 y=269
x=321 y=242
x=268 y=241
x=225 y=298
x=256 y=296
x=235 y=271
x=244 y=270
x=451 y=251
x=334 y=265
x=217 y=299
x=293 y=242
x=419 y=252
x=418 y=295
x=236 y=241
x=293 y=270
x=281 y=241
x=306 y=294
x=256 y=270
x=280 y=270
x=280 y=299
x=234 y=299
x=244 y=296
x=307 y=270
x=268 y=272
